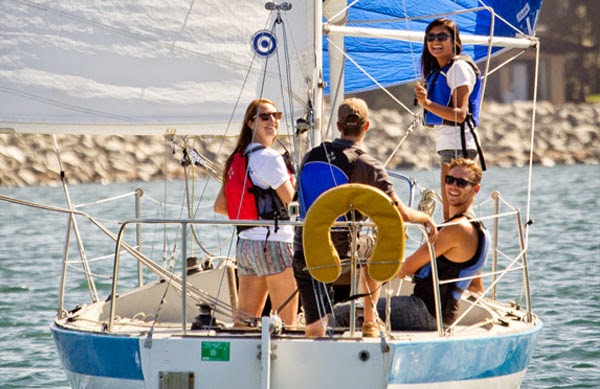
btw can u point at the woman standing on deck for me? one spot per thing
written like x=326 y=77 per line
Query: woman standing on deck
x=450 y=95
x=264 y=254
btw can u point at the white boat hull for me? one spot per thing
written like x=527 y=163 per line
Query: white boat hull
x=95 y=360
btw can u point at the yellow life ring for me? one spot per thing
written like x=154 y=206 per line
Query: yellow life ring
x=322 y=259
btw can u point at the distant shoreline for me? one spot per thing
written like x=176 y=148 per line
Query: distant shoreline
x=564 y=136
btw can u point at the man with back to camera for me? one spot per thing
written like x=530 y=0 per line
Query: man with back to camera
x=346 y=154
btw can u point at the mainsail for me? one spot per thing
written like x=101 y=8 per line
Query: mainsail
x=145 y=67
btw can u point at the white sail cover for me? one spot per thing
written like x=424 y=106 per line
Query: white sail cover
x=147 y=66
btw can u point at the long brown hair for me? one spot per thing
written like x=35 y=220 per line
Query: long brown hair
x=428 y=61
x=246 y=134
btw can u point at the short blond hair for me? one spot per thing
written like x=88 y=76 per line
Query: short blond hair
x=468 y=164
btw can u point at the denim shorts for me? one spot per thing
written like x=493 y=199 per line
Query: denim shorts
x=263 y=258
x=448 y=156
x=408 y=313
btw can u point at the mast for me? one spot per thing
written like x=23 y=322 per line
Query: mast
x=318 y=82
x=336 y=14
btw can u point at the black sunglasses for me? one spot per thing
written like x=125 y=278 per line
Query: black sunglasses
x=442 y=37
x=460 y=182
x=267 y=115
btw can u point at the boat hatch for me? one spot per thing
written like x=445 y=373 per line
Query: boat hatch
x=176 y=380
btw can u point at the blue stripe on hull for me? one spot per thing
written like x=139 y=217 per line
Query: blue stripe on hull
x=463 y=359
x=416 y=362
x=98 y=354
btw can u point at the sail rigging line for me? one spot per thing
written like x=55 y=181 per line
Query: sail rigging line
x=524 y=237
x=97 y=259
x=416 y=72
x=75 y=268
x=273 y=30
x=287 y=73
x=237 y=103
x=161 y=210
x=193 y=156
x=183 y=24
x=210 y=253
x=74 y=225
x=191 y=214
x=164 y=252
x=531 y=144
x=195 y=293
x=409 y=130
x=67 y=106
x=381 y=87
x=504 y=63
x=322 y=300
x=148 y=340
x=105 y=200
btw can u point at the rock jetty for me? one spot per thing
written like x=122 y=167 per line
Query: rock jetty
x=564 y=135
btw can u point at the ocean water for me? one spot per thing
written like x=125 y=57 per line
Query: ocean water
x=564 y=259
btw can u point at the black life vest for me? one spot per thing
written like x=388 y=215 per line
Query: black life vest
x=450 y=293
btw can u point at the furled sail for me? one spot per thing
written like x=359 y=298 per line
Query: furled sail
x=147 y=66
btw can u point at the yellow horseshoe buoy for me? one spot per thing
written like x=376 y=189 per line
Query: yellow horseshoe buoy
x=322 y=259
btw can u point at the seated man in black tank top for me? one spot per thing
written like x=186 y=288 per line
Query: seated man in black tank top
x=461 y=248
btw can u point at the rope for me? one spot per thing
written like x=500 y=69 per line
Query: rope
x=381 y=87
x=428 y=201
x=409 y=130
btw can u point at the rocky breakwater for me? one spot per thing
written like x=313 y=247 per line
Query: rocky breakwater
x=565 y=135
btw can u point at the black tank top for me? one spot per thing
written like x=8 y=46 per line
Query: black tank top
x=446 y=270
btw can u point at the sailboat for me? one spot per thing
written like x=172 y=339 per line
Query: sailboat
x=185 y=70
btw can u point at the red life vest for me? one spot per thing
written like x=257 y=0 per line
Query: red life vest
x=246 y=201
x=241 y=204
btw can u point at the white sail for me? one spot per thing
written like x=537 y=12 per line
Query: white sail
x=147 y=66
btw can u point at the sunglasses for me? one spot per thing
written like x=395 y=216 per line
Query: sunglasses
x=442 y=37
x=460 y=182
x=268 y=115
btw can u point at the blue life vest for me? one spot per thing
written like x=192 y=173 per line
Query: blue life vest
x=438 y=91
x=325 y=167
x=473 y=266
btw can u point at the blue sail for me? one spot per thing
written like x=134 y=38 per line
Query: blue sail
x=392 y=62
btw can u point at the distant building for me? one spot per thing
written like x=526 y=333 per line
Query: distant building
x=515 y=81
